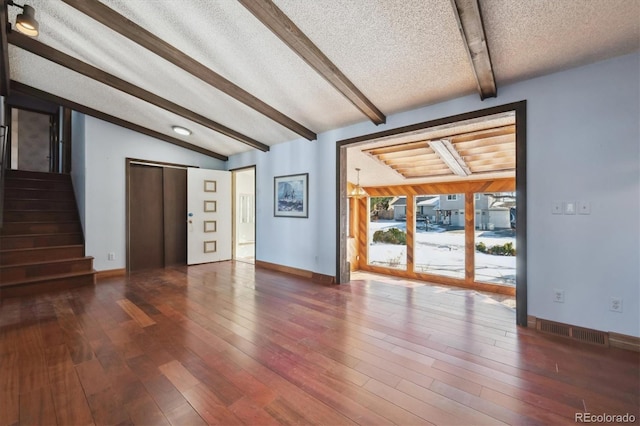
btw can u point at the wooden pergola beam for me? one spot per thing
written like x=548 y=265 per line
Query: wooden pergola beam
x=103 y=77
x=280 y=24
x=471 y=28
x=134 y=32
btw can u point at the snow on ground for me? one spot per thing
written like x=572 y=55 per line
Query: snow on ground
x=441 y=251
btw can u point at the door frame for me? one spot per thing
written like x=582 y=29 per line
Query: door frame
x=520 y=110
x=234 y=208
x=54 y=134
x=150 y=163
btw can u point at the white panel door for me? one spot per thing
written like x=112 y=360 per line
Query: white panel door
x=208 y=216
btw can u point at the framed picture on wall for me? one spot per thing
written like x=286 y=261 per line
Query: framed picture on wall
x=291 y=195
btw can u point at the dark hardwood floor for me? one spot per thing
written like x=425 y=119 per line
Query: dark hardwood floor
x=228 y=344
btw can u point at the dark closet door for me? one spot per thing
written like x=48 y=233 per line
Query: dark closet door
x=146 y=217
x=175 y=216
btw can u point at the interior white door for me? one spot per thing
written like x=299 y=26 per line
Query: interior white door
x=209 y=220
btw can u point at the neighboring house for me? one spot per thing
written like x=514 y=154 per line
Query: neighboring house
x=399 y=208
x=492 y=211
x=451 y=210
x=425 y=207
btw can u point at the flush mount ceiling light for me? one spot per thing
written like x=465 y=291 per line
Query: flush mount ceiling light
x=447 y=153
x=26 y=21
x=181 y=130
x=358 y=191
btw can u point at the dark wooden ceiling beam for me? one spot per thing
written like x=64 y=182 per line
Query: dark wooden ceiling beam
x=97 y=74
x=4 y=53
x=471 y=28
x=120 y=24
x=17 y=87
x=280 y=24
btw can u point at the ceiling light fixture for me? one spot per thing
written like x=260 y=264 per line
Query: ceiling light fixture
x=358 y=191
x=26 y=21
x=181 y=130
x=450 y=156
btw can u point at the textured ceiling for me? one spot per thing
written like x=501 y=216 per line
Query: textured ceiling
x=401 y=54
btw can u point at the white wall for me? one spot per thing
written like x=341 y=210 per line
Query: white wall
x=583 y=144
x=106 y=148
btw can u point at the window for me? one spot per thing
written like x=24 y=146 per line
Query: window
x=387 y=239
x=495 y=240
x=439 y=238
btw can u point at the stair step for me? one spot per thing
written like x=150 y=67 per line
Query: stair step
x=11 y=242
x=25 y=228
x=41 y=242
x=25 y=174
x=38 y=184
x=12 y=274
x=48 y=283
x=40 y=216
x=38 y=254
x=38 y=194
x=32 y=204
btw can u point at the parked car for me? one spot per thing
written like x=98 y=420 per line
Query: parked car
x=512 y=216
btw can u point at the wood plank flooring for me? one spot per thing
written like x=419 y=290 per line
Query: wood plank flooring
x=230 y=344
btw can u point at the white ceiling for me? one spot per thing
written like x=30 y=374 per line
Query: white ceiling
x=400 y=53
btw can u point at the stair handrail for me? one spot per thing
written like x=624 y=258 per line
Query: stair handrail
x=3 y=163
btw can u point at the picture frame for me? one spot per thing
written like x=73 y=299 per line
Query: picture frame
x=210 y=186
x=210 y=206
x=210 y=226
x=210 y=246
x=291 y=195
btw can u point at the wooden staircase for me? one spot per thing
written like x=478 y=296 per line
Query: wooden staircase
x=41 y=240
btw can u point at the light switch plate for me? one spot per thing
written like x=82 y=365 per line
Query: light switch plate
x=556 y=207
x=569 y=207
x=584 y=207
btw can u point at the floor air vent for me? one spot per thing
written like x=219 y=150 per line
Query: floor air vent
x=586 y=335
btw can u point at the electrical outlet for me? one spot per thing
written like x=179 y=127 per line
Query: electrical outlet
x=111 y=256
x=584 y=207
x=615 y=304
x=558 y=295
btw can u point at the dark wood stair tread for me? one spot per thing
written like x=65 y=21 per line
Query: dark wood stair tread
x=37 y=235
x=43 y=222
x=37 y=228
x=27 y=272
x=7 y=198
x=42 y=248
x=41 y=240
x=58 y=210
x=27 y=174
x=45 y=278
x=45 y=262
x=17 y=236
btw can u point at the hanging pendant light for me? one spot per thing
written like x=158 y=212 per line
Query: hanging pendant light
x=358 y=191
